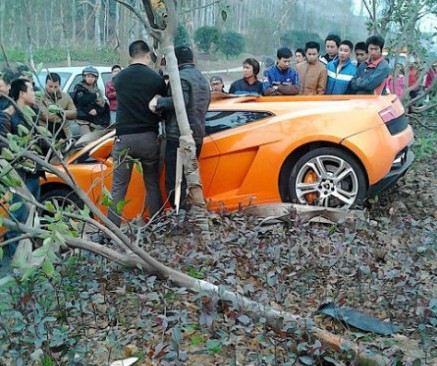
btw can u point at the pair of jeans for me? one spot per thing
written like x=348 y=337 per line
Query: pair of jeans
x=32 y=183
x=145 y=148
x=171 y=148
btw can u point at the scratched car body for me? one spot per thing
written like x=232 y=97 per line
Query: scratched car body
x=332 y=151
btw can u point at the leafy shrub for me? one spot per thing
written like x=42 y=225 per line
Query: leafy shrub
x=51 y=56
x=296 y=39
x=261 y=43
x=207 y=39
x=182 y=37
x=232 y=44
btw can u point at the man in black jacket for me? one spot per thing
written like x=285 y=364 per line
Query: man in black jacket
x=197 y=97
x=10 y=121
x=137 y=129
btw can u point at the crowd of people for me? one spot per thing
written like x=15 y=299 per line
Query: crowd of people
x=334 y=72
x=138 y=99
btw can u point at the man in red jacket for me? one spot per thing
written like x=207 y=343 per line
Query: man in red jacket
x=110 y=92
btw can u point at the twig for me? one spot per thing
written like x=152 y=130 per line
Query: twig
x=432 y=128
x=140 y=16
x=4 y=55
x=199 y=7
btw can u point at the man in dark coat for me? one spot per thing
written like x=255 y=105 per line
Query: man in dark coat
x=137 y=129
x=197 y=96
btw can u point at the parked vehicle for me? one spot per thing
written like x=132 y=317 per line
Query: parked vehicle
x=332 y=151
x=70 y=76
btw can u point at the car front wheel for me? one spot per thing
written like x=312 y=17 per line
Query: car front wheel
x=328 y=177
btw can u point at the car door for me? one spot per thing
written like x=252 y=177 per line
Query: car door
x=238 y=138
x=102 y=177
x=101 y=180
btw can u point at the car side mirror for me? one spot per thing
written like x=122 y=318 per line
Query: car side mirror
x=102 y=151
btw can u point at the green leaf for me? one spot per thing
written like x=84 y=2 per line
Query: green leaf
x=1 y=253
x=7 y=154
x=26 y=73
x=224 y=15
x=177 y=335
x=28 y=273
x=138 y=167
x=107 y=198
x=53 y=108
x=15 y=206
x=120 y=205
x=214 y=346
x=195 y=340
x=41 y=251
x=1 y=220
x=48 y=268
x=7 y=281
x=22 y=130
x=50 y=206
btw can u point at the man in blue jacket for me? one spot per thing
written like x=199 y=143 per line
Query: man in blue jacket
x=341 y=70
x=372 y=73
x=281 y=79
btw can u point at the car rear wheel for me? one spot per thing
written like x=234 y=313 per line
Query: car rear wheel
x=328 y=177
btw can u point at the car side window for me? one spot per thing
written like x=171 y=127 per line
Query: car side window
x=77 y=79
x=106 y=76
x=217 y=121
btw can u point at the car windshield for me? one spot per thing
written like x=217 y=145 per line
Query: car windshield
x=41 y=79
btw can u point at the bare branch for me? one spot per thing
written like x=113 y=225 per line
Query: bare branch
x=199 y=7
x=5 y=56
x=137 y=13
x=419 y=122
x=156 y=22
x=172 y=17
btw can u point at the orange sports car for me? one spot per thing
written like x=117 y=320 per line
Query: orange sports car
x=332 y=151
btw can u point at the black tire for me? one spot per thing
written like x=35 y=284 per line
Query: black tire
x=62 y=197
x=328 y=177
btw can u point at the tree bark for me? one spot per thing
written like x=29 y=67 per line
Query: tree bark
x=123 y=28
x=73 y=21
x=97 y=24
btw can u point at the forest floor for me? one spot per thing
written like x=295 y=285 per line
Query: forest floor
x=91 y=312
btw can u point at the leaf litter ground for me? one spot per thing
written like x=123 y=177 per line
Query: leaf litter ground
x=385 y=267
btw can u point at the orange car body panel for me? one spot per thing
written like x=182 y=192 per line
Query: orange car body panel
x=241 y=166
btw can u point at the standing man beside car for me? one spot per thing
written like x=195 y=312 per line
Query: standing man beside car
x=372 y=74
x=197 y=97
x=54 y=96
x=332 y=42
x=312 y=73
x=281 y=79
x=137 y=129
x=111 y=94
x=10 y=121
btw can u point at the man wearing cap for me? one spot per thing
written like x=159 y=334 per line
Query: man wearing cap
x=136 y=129
x=197 y=97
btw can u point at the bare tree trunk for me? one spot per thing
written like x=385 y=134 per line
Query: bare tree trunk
x=52 y=32
x=2 y=20
x=64 y=35
x=85 y=22
x=73 y=21
x=27 y=12
x=123 y=28
x=97 y=24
